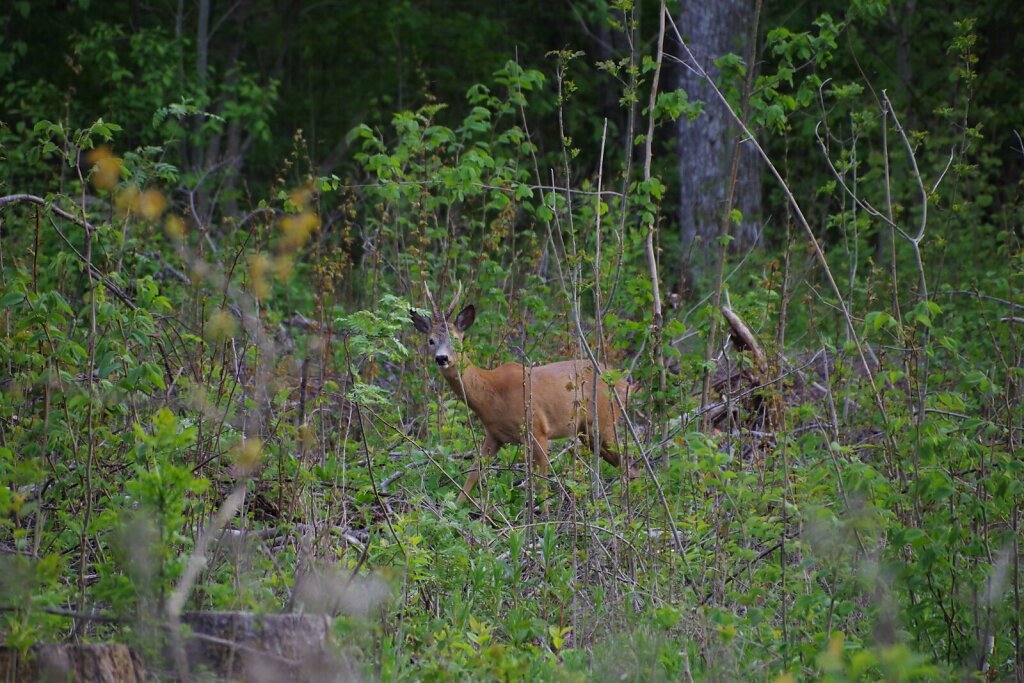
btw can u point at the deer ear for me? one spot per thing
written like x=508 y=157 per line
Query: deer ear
x=419 y=322
x=465 y=318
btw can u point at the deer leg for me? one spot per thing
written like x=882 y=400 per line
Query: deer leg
x=539 y=452
x=608 y=453
x=539 y=455
x=612 y=457
x=487 y=451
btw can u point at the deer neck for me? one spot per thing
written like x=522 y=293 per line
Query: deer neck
x=470 y=386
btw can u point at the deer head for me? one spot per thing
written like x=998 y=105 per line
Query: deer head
x=441 y=331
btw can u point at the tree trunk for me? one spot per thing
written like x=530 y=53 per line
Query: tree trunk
x=707 y=144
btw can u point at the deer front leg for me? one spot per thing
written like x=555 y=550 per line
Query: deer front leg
x=487 y=451
x=539 y=452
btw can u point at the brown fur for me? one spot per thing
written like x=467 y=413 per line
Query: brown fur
x=554 y=399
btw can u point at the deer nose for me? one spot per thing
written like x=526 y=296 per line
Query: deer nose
x=441 y=360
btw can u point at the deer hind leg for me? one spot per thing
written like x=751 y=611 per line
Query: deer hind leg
x=541 y=464
x=611 y=429
x=487 y=451
x=539 y=453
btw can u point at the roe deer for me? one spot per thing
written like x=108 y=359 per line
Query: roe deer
x=547 y=401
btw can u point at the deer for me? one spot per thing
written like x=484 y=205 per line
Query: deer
x=519 y=404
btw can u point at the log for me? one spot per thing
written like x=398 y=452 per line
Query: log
x=745 y=340
x=97 y=662
x=742 y=337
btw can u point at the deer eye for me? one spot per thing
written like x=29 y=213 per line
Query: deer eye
x=431 y=342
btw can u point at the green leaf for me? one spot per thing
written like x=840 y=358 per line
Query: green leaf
x=11 y=298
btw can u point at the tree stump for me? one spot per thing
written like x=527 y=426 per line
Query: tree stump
x=98 y=662
x=267 y=647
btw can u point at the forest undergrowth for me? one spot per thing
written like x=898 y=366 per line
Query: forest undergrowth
x=214 y=411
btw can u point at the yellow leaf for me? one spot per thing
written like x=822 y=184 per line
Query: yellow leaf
x=174 y=226
x=106 y=168
x=152 y=204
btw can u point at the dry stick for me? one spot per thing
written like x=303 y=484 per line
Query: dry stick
x=7 y=310
x=111 y=287
x=33 y=199
x=652 y=257
x=819 y=254
x=868 y=207
x=891 y=216
x=915 y=243
x=979 y=295
x=595 y=432
x=893 y=270
x=923 y=362
x=742 y=332
x=1016 y=579
x=576 y=271
x=780 y=331
x=558 y=260
x=567 y=190
x=35 y=255
x=627 y=174
x=571 y=296
x=196 y=562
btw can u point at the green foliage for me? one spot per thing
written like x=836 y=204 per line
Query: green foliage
x=842 y=521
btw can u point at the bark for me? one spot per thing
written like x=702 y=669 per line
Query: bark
x=707 y=144
x=269 y=647
x=101 y=662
